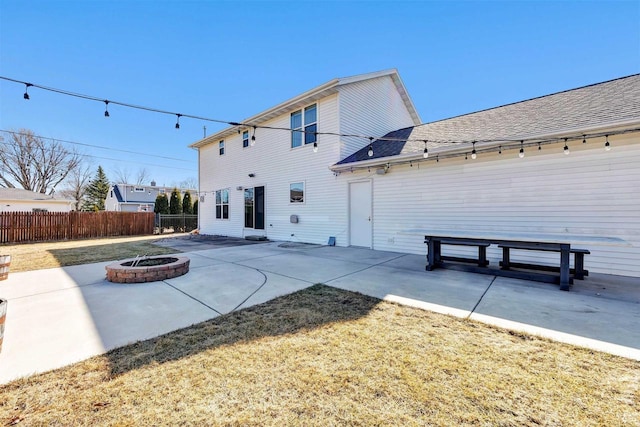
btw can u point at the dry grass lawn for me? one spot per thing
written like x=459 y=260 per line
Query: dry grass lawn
x=36 y=256
x=324 y=356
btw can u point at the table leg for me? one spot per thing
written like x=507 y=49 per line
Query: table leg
x=431 y=254
x=482 y=256
x=579 y=265
x=505 y=258
x=564 y=267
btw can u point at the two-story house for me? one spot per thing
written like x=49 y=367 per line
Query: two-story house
x=138 y=198
x=562 y=164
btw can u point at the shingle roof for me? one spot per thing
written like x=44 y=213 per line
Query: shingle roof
x=21 y=194
x=608 y=103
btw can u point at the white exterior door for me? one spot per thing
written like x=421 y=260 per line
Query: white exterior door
x=360 y=220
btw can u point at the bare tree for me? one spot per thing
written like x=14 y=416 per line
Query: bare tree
x=76 y=185
x=27 y=161
x=142 y=177
x=124 y=176
x=189 y=184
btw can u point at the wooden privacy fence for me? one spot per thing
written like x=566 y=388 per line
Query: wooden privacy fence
x=16 y=227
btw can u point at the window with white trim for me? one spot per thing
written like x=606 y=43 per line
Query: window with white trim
x=305 y=125
x=221 y=147
x=245 y=139
x=222 y=204
x=296 y=192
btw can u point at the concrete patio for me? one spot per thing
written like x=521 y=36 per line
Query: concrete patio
x=59 y=316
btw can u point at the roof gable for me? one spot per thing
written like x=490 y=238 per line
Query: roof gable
x=315 y=94
x=610 y=103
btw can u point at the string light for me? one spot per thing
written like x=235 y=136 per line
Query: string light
x=607 y=146
x=425 y=154
x=539 y=147
x=253 y=137
x=437 y=158
x=106 y=108
x=566 y=147
x=26 y=90
x=370 y=138
x=473 y=152
x=521 y=153
x=465 y=156
x=315 y=147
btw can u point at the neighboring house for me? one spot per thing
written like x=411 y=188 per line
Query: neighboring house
x=381 y=201
x=138 y=198
x=19 y=200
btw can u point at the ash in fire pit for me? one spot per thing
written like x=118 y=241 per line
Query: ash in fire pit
x=148 y=262
x=147 y=269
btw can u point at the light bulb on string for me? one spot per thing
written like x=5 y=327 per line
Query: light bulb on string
x=370 y=152
x=584 y=139
x=178 y=121
x=607 y=146
x=500 y=149
x=106 y=108
x=26 y=90
x=465 y=156
x=539 y=147
x=253 y=137
x=521 y=153
x=425 y=154
x=315 y=147
x=566 y=147
x=473 y=152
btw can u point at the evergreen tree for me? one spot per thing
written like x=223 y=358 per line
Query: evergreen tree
x=162 y=204
x=187 y=207
x=175 y=203
x=97 y=192
x=195 y=207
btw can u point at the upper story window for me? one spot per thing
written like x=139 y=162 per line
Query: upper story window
x=305 y=125
x=245 y=139
x=221 y=147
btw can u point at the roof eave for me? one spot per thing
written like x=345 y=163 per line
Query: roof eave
x=381 y=161
x=291 y=104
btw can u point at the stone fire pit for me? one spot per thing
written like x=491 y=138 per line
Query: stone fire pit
x=147 y=269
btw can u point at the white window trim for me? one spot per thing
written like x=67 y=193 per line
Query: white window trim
x=221 y=204
x=304 y=125
x=304 y=193
x=248 y=139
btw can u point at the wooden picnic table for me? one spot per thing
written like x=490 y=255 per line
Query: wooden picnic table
x=435 y=258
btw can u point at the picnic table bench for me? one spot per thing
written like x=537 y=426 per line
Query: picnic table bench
x=564 y=275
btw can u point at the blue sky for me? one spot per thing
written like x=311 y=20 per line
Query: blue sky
x=230 y=60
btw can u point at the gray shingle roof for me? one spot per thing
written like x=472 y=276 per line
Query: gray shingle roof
x=21 y=194
x=601 y=104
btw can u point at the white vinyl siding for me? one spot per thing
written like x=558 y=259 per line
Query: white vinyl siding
x=589 y=192
x=275 y=166
x=371 y=108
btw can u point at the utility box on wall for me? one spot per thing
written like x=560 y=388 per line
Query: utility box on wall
x=293 y=219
